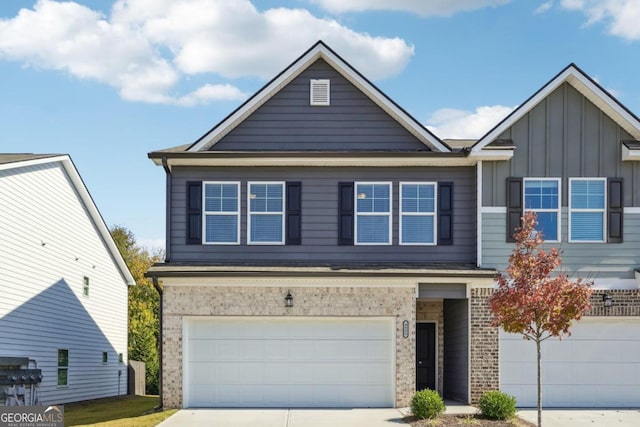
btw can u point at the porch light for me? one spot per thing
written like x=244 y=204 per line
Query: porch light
x=288 y=300
x=607 y=300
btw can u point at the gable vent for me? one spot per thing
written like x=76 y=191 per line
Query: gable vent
x=319 y=92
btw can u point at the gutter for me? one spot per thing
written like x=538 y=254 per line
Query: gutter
x=169 y=183
x=156 y=285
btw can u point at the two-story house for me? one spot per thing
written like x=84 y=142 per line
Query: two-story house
x=324 y=249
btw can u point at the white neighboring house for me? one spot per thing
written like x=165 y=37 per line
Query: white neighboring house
x=63 y=283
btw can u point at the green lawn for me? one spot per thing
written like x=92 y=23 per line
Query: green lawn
x=123 y=411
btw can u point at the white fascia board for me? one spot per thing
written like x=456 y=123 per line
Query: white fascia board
x=33 y=162
x=630 y=155
x=491 y=155
x=320 y=51
x=97 y=219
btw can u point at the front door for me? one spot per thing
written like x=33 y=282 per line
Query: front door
x=425 y=356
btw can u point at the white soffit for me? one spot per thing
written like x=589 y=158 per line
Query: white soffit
x=318 y=51
x=583 y=84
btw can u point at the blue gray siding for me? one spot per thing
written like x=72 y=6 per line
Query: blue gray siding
x=320 y=216
x=587 y=260
x=288 y=122
x=564 y=136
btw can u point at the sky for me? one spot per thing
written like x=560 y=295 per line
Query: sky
x=109 y=81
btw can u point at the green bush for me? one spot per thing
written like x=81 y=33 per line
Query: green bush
x=497 y=405
x=427 y=404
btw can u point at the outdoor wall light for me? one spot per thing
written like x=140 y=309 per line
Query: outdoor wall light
x=607 y=300
x=288 y=300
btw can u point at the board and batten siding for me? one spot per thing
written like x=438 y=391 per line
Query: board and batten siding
x=320 y=216
x=564 y=136
x=286 y=122
x=44 y=227
x=587 y=260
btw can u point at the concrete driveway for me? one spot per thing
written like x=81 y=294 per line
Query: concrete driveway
x=583 y=417
x=285 y=418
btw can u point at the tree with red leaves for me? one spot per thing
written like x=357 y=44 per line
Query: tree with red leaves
x=530 y=300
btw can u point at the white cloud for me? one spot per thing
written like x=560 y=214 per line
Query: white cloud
x=544 y=7
x=419 y=7
x=621 y=16
x=145 y=48
x=460 y=124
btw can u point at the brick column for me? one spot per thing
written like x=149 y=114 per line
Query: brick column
x=484 y=364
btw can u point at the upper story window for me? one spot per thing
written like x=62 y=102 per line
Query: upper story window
x=587 y=209
x=85 y=286
x=221 y=213
x=373 y=213
x=63 y=367
x=266 y=213
x=418 y=201
x=542 y=196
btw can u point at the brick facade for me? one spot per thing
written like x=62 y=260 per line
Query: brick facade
x=484 y=363
x=626 y=302
x=432 y=310
x=180 y=301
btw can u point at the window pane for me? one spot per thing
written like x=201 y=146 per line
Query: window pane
x=63 y=357
x=266 y=228
x=587 y=226
x=62 y=376
x=417 y=229
x=221 y=229
x=373 y=229
x=105 y=357
x=540 y=194
x=587 y=194
x=548 y=225
x=221 y=198
x=373 y=198
x=265 y=198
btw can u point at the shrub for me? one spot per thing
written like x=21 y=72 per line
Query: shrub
x=427 y=404
x=497 y=405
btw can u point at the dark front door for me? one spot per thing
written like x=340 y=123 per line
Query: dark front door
x=425 y=356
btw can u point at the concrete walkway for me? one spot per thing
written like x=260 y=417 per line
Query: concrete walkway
x=583 y=417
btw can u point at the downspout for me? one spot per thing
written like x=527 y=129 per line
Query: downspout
x=160 y=346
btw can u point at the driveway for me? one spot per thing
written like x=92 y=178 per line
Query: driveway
x=583 y=417
x=285 y=418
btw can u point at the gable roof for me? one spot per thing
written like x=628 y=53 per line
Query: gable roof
x=317 y=51
x=584 y=84
x=14 y=161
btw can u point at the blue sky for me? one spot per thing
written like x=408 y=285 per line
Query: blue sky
x=109 y=81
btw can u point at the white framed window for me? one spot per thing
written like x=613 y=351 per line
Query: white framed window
x=542 y=196
x=63 y=367
x=265 y=223
x=221 y=206
x=85 y=286
x=373 y=201
x=418 y=201
x=587 y=209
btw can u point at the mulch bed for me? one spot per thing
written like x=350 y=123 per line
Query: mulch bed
x=466 y=420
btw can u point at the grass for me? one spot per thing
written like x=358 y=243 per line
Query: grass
x=123 y=411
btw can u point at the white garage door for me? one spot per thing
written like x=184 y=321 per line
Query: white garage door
x=289 y=362
x=597 y=366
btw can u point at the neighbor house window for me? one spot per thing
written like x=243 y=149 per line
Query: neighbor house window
x=120 y=358
x=373 y=213
x=542 y=196
x=265 y=225
x=63 y=367
x=418 y=213
x=85 y=286
x=221 y=213
x=105 y=357
x=587 y=209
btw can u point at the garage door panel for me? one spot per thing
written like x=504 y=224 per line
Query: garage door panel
x=591 y=368
x=296 y=362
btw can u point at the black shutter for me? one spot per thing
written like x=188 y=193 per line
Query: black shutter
x=514 y=206
x=294 y=213
x=194 y=212
x=345 y=213
x=445 y=213
x=615 y=208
